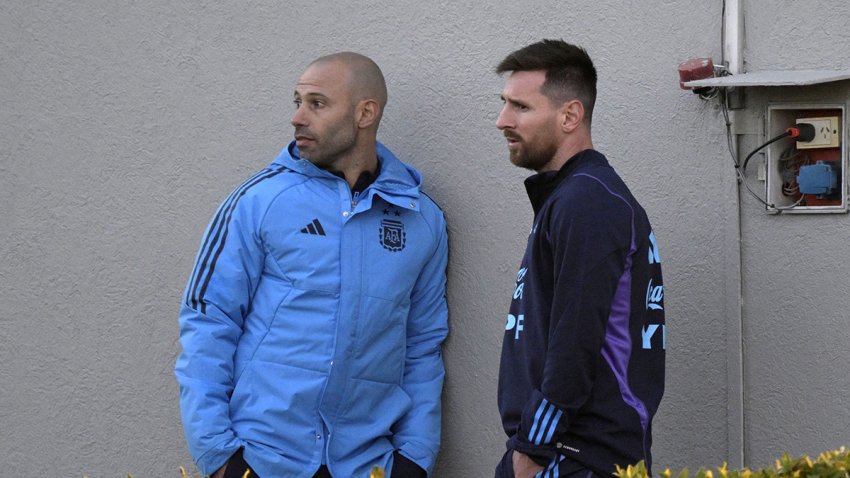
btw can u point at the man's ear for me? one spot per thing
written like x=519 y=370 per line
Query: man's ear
x=571 y=116
x=367 y=114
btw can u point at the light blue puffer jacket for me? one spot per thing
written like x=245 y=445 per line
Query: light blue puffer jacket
x=313 y=321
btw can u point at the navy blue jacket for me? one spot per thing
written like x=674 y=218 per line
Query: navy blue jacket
x=582 y=370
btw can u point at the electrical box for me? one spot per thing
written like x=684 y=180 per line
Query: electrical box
x=811 y=176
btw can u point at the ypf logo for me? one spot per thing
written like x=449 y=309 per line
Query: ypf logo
x=514 y=323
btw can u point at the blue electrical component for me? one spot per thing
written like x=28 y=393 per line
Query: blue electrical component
x=820 y=178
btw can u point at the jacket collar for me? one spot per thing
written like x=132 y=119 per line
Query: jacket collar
x=398 y=183
x=541 y=185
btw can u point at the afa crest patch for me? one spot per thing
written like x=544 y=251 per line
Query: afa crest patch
x=392 y=235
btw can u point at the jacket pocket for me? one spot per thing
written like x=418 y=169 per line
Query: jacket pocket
x=269 y=398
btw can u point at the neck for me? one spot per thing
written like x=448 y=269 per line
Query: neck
x=363 y=157
x=571 y=146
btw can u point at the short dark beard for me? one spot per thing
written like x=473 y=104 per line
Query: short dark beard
x=534 y=159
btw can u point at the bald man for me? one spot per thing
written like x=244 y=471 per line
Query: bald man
x=313 y=319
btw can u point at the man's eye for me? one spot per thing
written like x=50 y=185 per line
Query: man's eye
x=317 y=104
x=297 y=103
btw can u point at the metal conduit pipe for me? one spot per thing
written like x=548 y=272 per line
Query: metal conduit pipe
x=733 y=36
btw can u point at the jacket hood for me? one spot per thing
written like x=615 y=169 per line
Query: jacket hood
x=396 y=177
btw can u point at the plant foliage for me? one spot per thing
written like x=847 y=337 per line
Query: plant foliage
x=830 y=464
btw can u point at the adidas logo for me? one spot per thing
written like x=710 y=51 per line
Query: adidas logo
x=314 y=228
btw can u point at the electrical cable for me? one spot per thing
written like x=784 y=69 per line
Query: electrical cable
x=771 y=141
x=790 y=162
x=741 y=177
x=790 y=206
x=802 y=131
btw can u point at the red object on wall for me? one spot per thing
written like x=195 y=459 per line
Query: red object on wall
x=695 y=69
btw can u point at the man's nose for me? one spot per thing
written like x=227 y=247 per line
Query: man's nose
x=504 y=120
x=298 y=118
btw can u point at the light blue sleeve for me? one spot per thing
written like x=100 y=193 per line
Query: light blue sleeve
x=417 y=434
x=216 y=301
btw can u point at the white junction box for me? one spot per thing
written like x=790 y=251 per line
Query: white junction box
x=806 y=177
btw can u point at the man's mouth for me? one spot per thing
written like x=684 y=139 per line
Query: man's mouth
x=303 y=140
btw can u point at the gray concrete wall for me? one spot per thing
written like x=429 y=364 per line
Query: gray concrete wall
x=123 y=124
x=796 y=332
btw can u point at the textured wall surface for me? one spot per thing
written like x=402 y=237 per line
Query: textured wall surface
x=123 y=124
x=796 y=331
x=795 y=305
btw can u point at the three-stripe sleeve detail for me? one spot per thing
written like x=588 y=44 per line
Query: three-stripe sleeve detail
x=545 y=421
x=215 y=238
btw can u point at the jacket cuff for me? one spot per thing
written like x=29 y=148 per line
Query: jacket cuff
x=541 y=454
x=404 y=467
x=541 y=421
x=215 y=458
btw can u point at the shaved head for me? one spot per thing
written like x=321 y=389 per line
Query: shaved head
x=339 y=100
x=365 y=79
